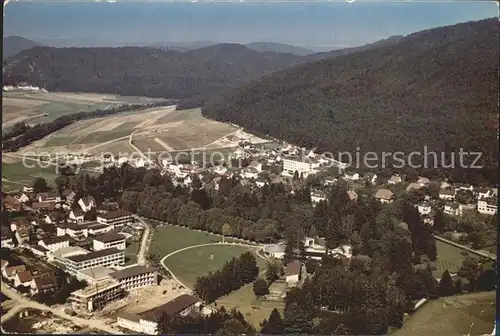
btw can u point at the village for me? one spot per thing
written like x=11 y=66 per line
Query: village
x=58 y=232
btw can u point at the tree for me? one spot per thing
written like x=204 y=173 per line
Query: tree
x=274 y=325
x=273 y=271
x=470 y=270
x=233 y=327
x=260 y=287
x=39 y=185
x=312 y=265
x=446 y=286
x=458 y=287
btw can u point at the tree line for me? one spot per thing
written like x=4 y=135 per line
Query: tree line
x=22 y=135
x=234 y=274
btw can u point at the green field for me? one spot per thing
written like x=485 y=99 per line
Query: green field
x=103 y=136
x=131 y=253
x=167 y=239
x=58 y=109
x=59 y=141
x=449 y=258
x=17 y=172
x=254 y=310
x=190 y=264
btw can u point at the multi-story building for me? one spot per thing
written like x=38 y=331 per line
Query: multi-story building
x=106 y=258
x=292 y=164
x=109 y=240
x=487 y=205
x=96 y=296
x=148 y=321
x=54 y=243
x=118 y=218
x=453 y=209
x=136 y=277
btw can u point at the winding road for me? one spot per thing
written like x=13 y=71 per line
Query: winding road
x=141 y=255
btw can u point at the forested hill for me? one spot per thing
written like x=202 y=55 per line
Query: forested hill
x=436 y=88
x=142 y=71
x=196 y=73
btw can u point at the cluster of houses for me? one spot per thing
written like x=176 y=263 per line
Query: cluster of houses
x=92 y=251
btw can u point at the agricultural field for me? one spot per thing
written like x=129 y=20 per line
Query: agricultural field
x=38 y=107
x=468 y=314
x=16 y=174
x=190 y=264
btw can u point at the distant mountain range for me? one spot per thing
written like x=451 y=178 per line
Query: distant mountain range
x=182 y=70
x=15 y=44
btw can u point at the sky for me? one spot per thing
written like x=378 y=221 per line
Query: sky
x=328 y=25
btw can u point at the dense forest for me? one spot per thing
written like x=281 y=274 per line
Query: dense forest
x=22 y=135
x=436 y=89
x=154 y=72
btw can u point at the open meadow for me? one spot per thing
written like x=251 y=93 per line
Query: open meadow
x=38 y=107
x=192 y=263
x=468 y=314
x=449 y=258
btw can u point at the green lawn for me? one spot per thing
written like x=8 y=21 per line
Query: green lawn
x=449 y=258
x=59 y=141
x=131 y=253
x=190 y=264
x=19 y=173
x=167 y=239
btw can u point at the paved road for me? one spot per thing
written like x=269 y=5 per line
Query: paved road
x=23 y=303
x=141 y=255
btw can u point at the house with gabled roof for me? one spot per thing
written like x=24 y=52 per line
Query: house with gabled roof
x=87 y=203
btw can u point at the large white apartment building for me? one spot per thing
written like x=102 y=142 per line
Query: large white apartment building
x=136 y=277
x=96 y=296
x=109 y=240
x=118 y=218
x=106 y=258
x=292 y=164
x=487 y=205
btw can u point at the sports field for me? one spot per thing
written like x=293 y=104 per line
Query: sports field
x=18 y=173
x=449 y=258
x=189 y=264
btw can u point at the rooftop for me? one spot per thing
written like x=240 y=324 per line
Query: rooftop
x=384 y=194
x=109 y=237
x=131 y=271
x=293 y=268
x=55 y=240
x=97 y=273
x=114 y=214
x=69 y=251
x=94 y=255
x=24 y=276
x=96 y=288
x=170 y=308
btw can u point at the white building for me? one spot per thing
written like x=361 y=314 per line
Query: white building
x=351 y=176
x=276 y=251
x=96 y=296
x=303 y=167
x=135 y=277
x=487 y=205
x=424 y=208
x=447 y=194
x=147 y=322
x=423 y=181
x=55 y=243
x=250 y=173
x=109 y=240
x=317 y=196
x=106 y=258
x=453 y=209
x=118 y=218
x=384 y=196
x=100 y=229
x=94 y=275
x=76 y=216
x=87 y=203
x=395 y=179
